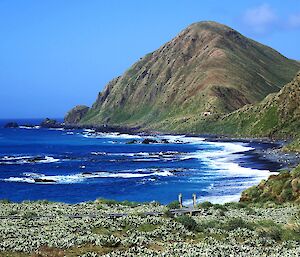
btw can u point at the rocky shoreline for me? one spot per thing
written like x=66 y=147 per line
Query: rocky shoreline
x=269 y=150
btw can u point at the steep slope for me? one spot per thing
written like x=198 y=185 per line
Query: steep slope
x=284 y=187
x=207 y=70
x=278 y=115
x=76 y=114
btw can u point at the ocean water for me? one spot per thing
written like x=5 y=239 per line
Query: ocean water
x=79 y=165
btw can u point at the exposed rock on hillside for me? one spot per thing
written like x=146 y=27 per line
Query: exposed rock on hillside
x=76 y=114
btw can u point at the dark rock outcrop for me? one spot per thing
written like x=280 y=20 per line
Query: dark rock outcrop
x=44 y=180
x=50 y=123
x=76 y=114
x=11 y=125
x=149 y=141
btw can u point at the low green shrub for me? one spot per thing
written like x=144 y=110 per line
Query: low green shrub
x=220 y=207
x=287 y=194
x=209 y=224
x=236 y=205
x=188 y=222
x=205 y=205
x=43 y=202
x=147 y=227
x=168 y=214
x=111 y=202
x=13 y=212
x=173 y=205
x=108 y=202
x=5 y=201
x=29 y=215
x=235 y=223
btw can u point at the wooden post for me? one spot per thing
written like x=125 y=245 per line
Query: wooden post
x=195 y=201
x=180 y=200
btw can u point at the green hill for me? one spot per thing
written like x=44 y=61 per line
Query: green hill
x=208 y=70
x=278 y=115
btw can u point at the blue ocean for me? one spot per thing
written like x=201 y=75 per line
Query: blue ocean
x=80 y=165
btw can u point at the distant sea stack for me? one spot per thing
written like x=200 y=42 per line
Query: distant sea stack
x=205 y=72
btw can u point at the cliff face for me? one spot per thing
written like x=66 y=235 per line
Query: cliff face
x=277 y=115
x=76 y=114
x=207 y=70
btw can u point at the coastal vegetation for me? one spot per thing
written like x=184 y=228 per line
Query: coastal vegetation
x=45 y=228
x=284 y=187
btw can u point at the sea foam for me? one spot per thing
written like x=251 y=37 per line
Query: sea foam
x=80 y=177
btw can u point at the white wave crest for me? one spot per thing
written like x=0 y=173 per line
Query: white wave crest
x=8 y=160
x=113 y=135
x=80 y=177
x=27 y=127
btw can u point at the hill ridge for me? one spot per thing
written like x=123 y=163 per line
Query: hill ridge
x=207 y=68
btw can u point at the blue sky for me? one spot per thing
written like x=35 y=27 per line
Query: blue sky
x=57 y=54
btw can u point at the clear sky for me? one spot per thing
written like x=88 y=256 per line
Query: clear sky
x=56 y=54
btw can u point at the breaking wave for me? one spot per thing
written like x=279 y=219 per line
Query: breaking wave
x=80 y=177
x=9 y=160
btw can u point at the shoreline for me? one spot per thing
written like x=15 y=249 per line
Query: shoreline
x=267 y=150
x=271 y=153
x=266 y=154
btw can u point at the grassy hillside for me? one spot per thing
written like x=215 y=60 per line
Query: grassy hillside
x=278 y=115
x=284 y=187
x=293 y=146
x=208 y=68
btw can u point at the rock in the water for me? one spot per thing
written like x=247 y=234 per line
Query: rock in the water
x=28 y=125
x=86 y=173
x=11 y=125
x=149 y=141
x=76 y=114
x=134 y=141
x=36 y=159
x=44 y=180
x=50 y=123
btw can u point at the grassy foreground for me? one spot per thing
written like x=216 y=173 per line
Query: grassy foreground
x=236 y=229
x=283 y=187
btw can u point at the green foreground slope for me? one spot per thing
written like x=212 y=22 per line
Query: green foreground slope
x=43 y=229
x=284 y=187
